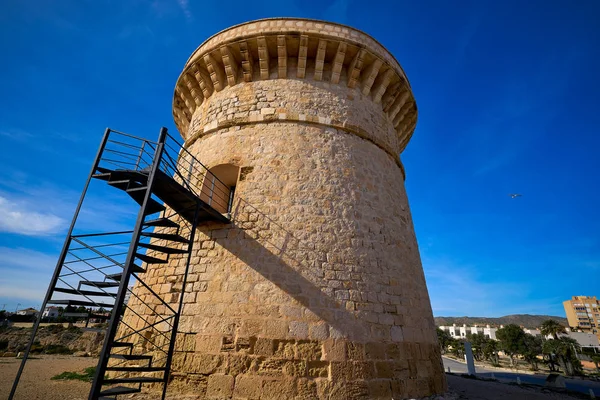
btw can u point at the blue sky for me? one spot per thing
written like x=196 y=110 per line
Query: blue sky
x=508 y=96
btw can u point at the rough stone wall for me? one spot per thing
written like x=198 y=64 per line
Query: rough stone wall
x=315 y=289
x=313 y=102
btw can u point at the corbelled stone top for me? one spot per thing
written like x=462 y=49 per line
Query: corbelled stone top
x=294 y=48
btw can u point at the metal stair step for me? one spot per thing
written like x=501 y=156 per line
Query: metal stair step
x=166 y=222
x=135 y=379
x=98 y=316
x=122 y=174
x=163 y=249
x=119 y=390
x=124 y=184
x=138 y=195
x=166 y=236
x=80 y=303
x=99 y=284
x=136 y=369
x=118 y=275
x=84 y=292
x=130 y=357
x=122 y=344
x=150 y=259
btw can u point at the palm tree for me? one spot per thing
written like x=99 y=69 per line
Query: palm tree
x=551 y=327
x=564 y=351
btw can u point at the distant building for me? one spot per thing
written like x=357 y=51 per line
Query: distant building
x=460 y=332
x=583 y=313
x=533 y=332
x=28 y=311
x=50 y=312
x=585 y=339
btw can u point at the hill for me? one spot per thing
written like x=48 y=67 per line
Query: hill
x=525 y=320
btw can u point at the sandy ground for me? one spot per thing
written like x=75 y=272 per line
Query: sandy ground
x=36 y=383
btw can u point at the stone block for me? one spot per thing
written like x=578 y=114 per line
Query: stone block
x=340 y=370
x=284 y=388
x=334 y=350
x=398 y=387
x=363 y=370
x=285 y=349
x=375 y=351
x=385 y=369
x=272 y=367
x=264 y=347
x=318 y=369
x=318 y=331
x=220 y=386
x=204 y=363
x=308 y=350
x=247 y=387
x=238 y=364
x=355 y=351
x=306 y=389
x=208 y=344
x=295 y=368
x=298 y=329
x=380 y=389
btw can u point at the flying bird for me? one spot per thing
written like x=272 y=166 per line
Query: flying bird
x=515 y=195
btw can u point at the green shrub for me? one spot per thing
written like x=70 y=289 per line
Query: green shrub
x=86 y=376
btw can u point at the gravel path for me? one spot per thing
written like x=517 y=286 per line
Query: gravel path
x=463 y=388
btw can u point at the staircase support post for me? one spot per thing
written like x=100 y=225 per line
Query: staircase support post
x=59 y=264
x=128 y=270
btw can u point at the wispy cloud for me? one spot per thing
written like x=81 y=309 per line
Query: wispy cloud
x=24 y=274
x=105 y=209
x=16 y=134
x=135 y=31
x=23 y=220
x=456 y=289
x=185 y=7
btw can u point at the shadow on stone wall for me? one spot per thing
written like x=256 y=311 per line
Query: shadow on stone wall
x=294 y=266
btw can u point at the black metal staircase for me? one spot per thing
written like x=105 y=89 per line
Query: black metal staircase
x=175 y=192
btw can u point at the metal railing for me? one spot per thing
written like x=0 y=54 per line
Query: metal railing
x=127 y=152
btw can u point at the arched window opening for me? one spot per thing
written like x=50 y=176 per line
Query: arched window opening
x=218 y=186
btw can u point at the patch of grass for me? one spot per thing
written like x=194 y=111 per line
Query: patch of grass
x=86 y=376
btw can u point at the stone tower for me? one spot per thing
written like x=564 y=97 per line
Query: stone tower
x=316 y=289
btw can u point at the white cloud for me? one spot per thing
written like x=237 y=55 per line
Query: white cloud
x=15 y=217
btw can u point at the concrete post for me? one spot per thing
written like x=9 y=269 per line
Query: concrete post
x=469 y=358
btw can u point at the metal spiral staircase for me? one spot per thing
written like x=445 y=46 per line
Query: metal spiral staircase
x=97 y=272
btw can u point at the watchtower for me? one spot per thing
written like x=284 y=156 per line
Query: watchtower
x=315 y=288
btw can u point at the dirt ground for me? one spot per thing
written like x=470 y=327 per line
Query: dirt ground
x=36 y=383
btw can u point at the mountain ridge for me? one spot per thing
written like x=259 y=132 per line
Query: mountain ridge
x=530 y=321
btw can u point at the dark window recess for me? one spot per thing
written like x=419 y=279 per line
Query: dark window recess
x=245 y=171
